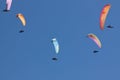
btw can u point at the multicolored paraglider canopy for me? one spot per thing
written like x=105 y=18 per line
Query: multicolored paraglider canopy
x=103 y=15
x=95 y=39
x=8 y=5
x=22 y=19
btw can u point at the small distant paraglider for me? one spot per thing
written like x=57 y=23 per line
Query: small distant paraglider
x=8 y=5
x=22 y=18
x=103 y=15
x=95 y=39
x=56 y=46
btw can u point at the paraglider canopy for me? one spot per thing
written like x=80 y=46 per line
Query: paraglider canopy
x=8 y=5
x=56 y=45
x=95 y=39
x=103 y=15
x=22 y=18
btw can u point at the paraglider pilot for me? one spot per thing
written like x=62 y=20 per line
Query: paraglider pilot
x=21 y=31
x=55 y=59
x=109 y=26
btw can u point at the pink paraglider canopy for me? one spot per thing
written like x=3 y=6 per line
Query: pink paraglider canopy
x=8 y=4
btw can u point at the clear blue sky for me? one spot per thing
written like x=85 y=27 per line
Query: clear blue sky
x=27 y=56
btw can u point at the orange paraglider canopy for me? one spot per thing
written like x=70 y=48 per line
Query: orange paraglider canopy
x=103 y=15
x=22 y=19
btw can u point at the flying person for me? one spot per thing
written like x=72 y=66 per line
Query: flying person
x=55 y=59
x=5 y=10
x=21 y=31
x=95 y=51
x=109 y=26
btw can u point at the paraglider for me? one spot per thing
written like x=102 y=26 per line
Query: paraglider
x=8 y=5
x=56 y=46
x=22 y=19
x=95 y=39
x=103 y=15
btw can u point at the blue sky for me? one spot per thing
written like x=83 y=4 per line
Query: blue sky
x=28 y=56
